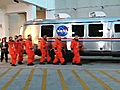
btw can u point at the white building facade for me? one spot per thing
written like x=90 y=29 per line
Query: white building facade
x=14 y=14
x=81 y=8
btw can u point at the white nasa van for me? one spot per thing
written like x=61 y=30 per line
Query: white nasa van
x=99 y=36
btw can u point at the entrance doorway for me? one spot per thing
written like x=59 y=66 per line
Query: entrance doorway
x=15 y=21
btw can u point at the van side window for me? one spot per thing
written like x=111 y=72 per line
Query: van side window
x=78 y=30
x=47 y=30
x=117 y=28
x=95 y=30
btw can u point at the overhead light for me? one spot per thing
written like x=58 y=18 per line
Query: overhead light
x=16 y=1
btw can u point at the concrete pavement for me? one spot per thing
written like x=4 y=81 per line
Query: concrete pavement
x=89 y=76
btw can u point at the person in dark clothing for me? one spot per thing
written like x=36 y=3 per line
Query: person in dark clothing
x=4 y=49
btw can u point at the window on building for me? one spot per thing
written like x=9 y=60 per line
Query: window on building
x=47 y=30
x=117 y=28
x=95 y=30
x=78 y=30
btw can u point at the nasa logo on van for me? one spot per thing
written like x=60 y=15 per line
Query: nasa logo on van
x=62 y=30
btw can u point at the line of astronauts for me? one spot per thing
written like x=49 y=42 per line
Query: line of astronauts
x=16 y=50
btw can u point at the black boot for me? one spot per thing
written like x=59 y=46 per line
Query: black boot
x=56 y=63
x=49 y=62
x=73 y=63
x=1 y=60
x=42 y=63
x=80 y=64
x=13 y=65
x=20 y=63
x=64 y=63
x=31 y=64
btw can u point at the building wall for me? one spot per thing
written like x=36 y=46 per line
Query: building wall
x=11 y=21
x=29 y=9
x=15 y=21
x=75 y=8
x=81 y=8
x=40 y=3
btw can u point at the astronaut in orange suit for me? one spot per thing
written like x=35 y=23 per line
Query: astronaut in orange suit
x=20 y=49
x=12 y=51
x=30 y=51
x=75 y=48
x=58 y=51
x=44 y=51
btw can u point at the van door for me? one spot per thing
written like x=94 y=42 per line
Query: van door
x=116 y=37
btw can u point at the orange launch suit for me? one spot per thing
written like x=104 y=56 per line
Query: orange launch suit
x=12 y=51
x=58 y=51
x=75 y=46
x=43 y=47
x=20 y=49
x=29 y=51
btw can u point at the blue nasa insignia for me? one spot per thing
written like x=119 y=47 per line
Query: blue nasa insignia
x=62 y=30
